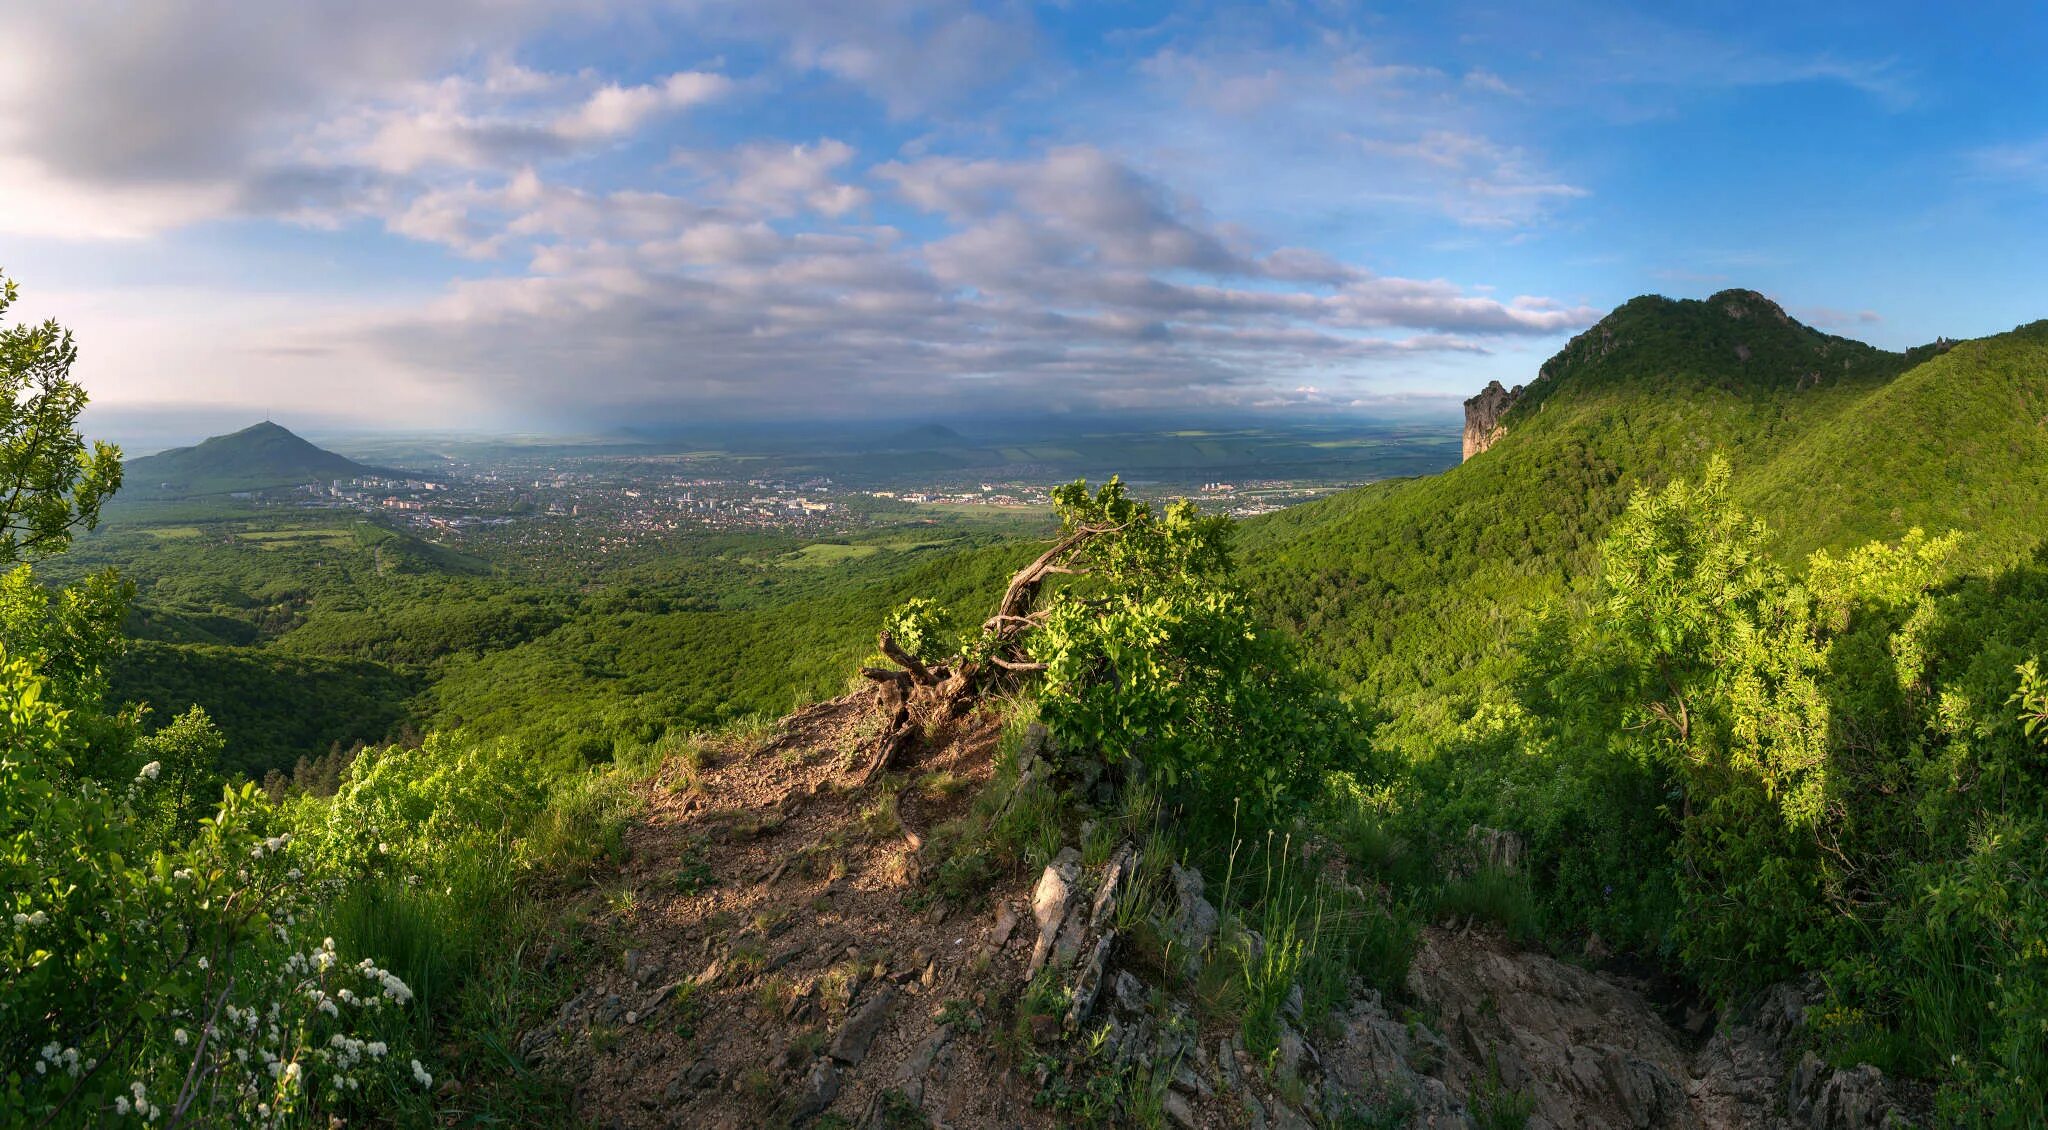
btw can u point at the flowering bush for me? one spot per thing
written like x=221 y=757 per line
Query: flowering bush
x=170 y=984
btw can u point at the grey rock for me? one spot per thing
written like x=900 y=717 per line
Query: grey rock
x=1491 y=847
x=1178 y=1111
x=1646 y=1093
x=1298 y=1057
x=1049 y=905
x=851 y=1045
x=610 y=1009
x=1483 y=413
x=1226 y=1064
x=1287 y=1118
x=819 y=1088
x=1122 y=865
x=919 y=1064
x=1850 y=1098
x=1194 y=918
x=1089 y=984
x=1129 y=992
x=654 y=999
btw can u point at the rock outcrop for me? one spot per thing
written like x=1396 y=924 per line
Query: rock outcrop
x=1483 y=413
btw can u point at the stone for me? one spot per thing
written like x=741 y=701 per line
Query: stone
x=851 y=1045
x=1178 y=1111
x=1049 y=905
x=1129 y=992
x=1645 y=1092
x=1226 y=1064
x=1297 y=1057
x=633 y=959
x=701 y=1075
x=1089 y=984
x=655 y=998
x=819 y=1088
x=1483 y=415
x=1006 y=924
x=1115 y=878
x=1287 y=1118
x=920 y=1061
x=1493 y=848
x=1073 y=935
x=1849 y=1098
x=610 y=1009
x=1194 y=918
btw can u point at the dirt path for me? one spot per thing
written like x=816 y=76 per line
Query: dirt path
x=776 y=961
x=772 y=964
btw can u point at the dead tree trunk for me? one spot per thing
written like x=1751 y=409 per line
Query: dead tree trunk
x=917 y=694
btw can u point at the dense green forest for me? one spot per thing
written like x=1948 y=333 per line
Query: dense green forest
x=1738 y=628
x=299 y=635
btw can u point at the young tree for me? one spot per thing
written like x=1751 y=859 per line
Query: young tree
x=51 y=483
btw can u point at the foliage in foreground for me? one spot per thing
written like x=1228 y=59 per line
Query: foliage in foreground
x=1153 y=658
x=1758 y=774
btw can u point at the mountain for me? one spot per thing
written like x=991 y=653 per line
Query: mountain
x=1414 y=590
x=260 y=457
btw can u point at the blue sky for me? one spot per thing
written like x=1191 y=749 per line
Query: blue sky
x=565 y=216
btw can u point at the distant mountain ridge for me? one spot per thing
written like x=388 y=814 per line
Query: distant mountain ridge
x=263 y=456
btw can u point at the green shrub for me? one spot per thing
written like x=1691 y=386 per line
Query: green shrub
x=1156 y=658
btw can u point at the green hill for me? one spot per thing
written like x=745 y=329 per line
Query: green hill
x=1415 y=590
x=261 y=457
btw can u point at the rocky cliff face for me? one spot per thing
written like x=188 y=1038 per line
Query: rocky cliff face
x=1483 y=415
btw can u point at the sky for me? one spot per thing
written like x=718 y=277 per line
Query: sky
x=529 y=215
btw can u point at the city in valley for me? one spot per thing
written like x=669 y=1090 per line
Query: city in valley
x=498 y=497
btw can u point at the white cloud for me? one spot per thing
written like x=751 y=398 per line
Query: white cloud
x=755 y=275
x=616 y=110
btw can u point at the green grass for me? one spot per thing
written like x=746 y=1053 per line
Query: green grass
x=826 y=553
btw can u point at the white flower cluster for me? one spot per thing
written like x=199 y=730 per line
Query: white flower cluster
x=141 y=1105
x=270 y=846
x=150 y=771
x=24 y=921
x=63 y=1059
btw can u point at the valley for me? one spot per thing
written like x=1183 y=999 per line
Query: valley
x=1685 y=691
x=994 y=564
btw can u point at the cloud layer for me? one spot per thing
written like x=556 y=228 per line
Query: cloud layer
x=594 y=211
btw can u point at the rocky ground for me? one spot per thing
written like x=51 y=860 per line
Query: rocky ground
x=779 y=961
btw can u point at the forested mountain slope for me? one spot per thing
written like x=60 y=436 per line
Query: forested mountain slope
x=259 y=457
x=1414 y=590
